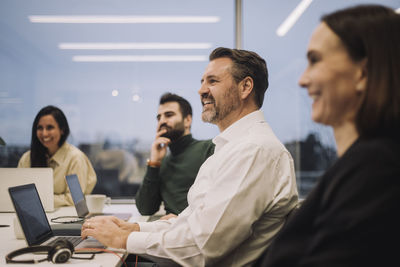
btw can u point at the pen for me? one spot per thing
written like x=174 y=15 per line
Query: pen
x=4 y=225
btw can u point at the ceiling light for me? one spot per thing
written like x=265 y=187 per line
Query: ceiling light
x=11 y=100
x=124 y=19
x=126 y=46
x=136 y=98
x=114 y=92
x=293 y=17
x=123 y=58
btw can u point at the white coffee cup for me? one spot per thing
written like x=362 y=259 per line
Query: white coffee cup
x=96 y=202
x=19 y=234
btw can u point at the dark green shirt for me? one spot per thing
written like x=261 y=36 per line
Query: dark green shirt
x=172 y=181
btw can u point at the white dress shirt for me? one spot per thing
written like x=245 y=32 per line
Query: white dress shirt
x=239 y=201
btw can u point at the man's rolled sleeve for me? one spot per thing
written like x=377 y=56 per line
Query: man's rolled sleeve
x=137 y=242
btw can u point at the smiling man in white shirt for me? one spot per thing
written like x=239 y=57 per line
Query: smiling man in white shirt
x=242 y=193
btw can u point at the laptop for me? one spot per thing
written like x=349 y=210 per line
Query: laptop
x=80 y=201
x=41 y=177
x=34 y=223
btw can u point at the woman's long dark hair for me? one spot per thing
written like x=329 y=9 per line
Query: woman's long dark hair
x=38 y=151
x=372 y=32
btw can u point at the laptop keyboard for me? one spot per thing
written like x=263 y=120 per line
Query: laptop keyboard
x=75 y=240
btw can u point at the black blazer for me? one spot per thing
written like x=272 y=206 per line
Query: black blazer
x=351 y=218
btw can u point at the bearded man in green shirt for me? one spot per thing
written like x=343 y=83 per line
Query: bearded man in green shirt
x=171 y=173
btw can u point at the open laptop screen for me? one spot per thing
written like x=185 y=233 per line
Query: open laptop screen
x=30 y=213
x=77 y=195
x=41 y=177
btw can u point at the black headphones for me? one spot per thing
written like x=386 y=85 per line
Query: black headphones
x=60 y=252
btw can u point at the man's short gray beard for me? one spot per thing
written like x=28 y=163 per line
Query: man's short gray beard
x=220 y=113
x=216 y=114
x=210 y=118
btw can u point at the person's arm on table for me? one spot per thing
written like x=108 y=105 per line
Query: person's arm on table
x=109 y=230
x=86 y=174
x=202 y=236
x=113 y=232
x=80 y=166
x=148 y=197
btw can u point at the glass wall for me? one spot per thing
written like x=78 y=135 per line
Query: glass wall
x=105 y=64
x=287 y=107
x=49 y=54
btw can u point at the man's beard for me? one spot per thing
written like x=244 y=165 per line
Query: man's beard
x=174 y=133
x=218 y=113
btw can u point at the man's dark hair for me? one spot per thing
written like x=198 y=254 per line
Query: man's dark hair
x=184 y=105
x=246 y=63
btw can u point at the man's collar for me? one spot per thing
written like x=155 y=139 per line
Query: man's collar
x=238 y=128
x=179 y=145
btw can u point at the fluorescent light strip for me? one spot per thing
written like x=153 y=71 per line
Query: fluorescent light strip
x=124 y=58
x=293 y=17
x=126 y=46
x=11 y=100
x=124 y=19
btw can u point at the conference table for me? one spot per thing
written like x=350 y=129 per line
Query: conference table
x=9 y=242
